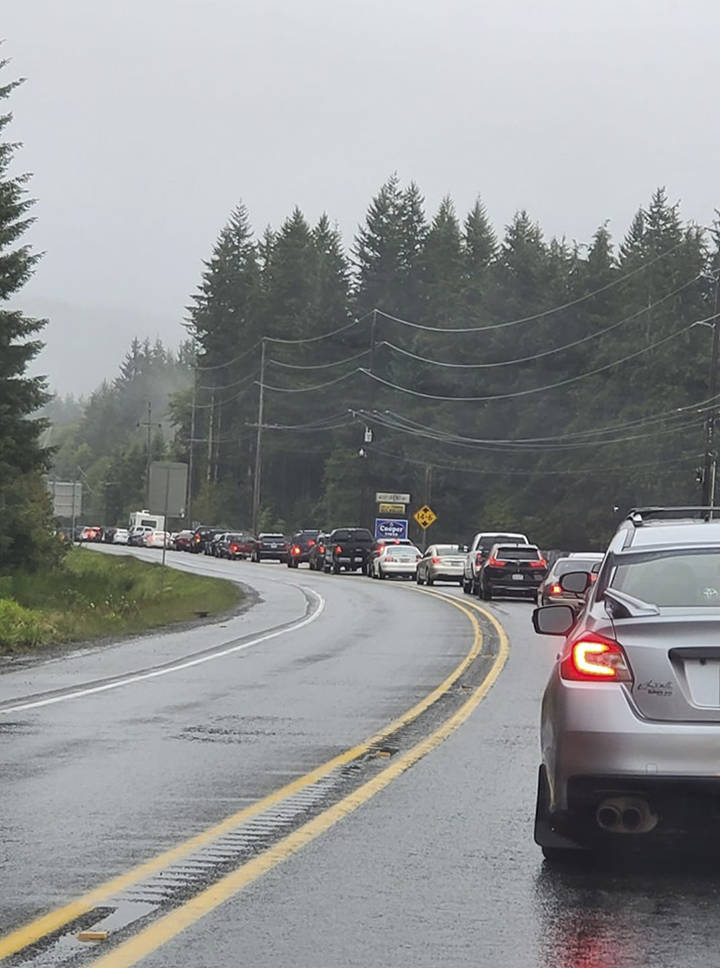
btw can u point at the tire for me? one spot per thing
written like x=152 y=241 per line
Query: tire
x=461 y=583
x=326 y=569
x=483 y=592
x=430 y=581
x=556 y=849
x=418 y=579
x=381 y=573
x=336 y=569
x=466 y=586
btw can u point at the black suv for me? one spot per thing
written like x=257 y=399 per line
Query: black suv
x=270 y=547
x=512 y=569
x=201 y=537
x=301 y=544
x=348 y=549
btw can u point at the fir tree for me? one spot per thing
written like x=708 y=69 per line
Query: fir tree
x=22 y=459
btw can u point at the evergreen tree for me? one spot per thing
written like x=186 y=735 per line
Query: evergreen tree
x=22 y=458
x=479 y=252
x=380 y=252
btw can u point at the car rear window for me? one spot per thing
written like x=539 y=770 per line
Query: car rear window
x=361 y=535
x=687 y=580
x=487 y=543
x=401 y=551
x=520 y=553
x=447 y=550
x=272 y=537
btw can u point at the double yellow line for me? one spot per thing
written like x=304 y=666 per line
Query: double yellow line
x=165 y=928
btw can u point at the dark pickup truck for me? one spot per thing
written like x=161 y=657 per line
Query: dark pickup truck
x=347 y=549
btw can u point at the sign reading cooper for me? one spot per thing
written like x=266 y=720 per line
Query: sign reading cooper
x=391 y=528
x=382 y=497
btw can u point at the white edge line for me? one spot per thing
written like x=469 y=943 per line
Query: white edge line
x=139 y=677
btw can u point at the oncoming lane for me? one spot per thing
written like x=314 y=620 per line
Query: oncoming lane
x=136 y=777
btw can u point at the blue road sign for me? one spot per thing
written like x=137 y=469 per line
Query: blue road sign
x=391 y=528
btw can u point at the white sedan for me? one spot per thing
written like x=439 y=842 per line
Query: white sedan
x=156 y=539
x=396 y=561
x=121 y=536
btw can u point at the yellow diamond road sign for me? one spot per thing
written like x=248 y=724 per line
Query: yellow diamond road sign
x=425 y=516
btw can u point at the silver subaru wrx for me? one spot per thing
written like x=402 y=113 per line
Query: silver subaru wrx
x=630 y=725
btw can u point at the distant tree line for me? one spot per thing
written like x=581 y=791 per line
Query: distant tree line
x=516 y=380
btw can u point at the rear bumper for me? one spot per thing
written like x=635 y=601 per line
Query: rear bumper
x=392 y=568
x=446 y=573
x=591 y=730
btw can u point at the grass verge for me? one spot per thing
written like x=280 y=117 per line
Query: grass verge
x=90 y=596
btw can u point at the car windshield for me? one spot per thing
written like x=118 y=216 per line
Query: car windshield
x=487 y=543
x=521 y=553
x=687 y=580
x=564 y=565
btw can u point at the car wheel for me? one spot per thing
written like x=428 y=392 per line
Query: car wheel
x=466 y=586
x=381 y=573
x=483 y=592
x=430 y=581
x=555 y=848
x=336 y=569
x=418 y=579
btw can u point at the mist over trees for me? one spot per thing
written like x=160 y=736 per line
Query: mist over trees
x=517 y=381
x=104 y=443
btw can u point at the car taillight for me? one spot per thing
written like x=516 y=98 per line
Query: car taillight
x=478 y=558
x=233 y=548
x=556 y=589
x=496 y=563
x=540 y=563
x=435 y=561
x=338 y=549
x=321 y=549
x=295 y=550
x=311 y=543
x=593 y=576
x=593 y=658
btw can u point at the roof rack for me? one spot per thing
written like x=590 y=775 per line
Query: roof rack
x=639 y=516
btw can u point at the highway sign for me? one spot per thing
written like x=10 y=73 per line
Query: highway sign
x=168 y=487
x=67 y=498
x=385 y=507
x=391 y=528
x=425 y=516
x=382 y=496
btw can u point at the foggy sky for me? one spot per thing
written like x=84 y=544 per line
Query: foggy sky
x=145 y=121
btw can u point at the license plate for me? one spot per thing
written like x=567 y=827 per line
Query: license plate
x=518 y=577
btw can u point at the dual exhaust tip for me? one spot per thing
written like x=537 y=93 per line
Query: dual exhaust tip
x=626 y=815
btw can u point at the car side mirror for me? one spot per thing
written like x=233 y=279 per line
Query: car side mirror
x=553 y=619
x=577 y=582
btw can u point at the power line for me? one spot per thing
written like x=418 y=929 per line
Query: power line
x=531 y=471
x=250 y=380
x=549 y=386
x=221 y=366
x=317 y=339
x=317 y=386
x=319 y=366
x=544 y=353
x=700 y=407
x=545 y=312
x=508 y=448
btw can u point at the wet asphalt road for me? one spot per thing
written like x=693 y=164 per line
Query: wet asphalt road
x=437 y=869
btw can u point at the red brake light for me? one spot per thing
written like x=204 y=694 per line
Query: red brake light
x=295 y=550
x=321 y=549
x=556 y=589
x=540 y=563
x=593 y=658
x=338 y=549
x=233 y=547
x=311 y=543
x=496 y=563
x=435 y=561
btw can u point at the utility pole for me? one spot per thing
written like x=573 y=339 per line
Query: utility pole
x=373 y=338
x=210 y=436
x=258 y=441
x=188 y=499
x=710 y=465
